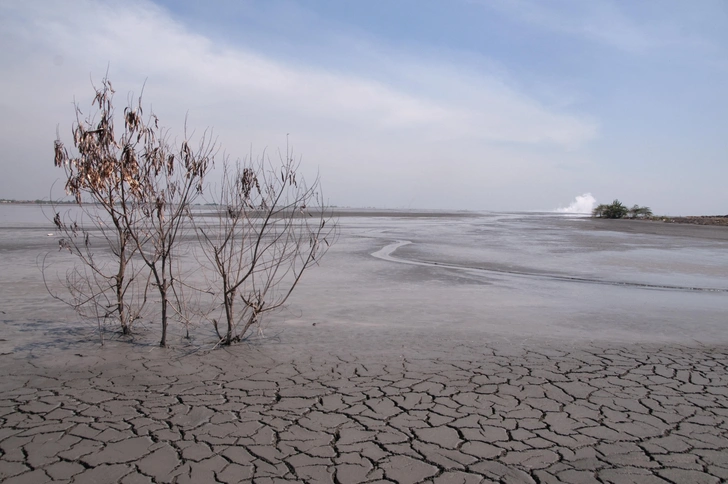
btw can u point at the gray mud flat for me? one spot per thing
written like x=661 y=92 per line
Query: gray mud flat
x=491 y=348
x=444 y=411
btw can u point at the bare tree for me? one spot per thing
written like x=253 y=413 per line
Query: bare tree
x=170 y=183
x=270 y=227
x=103 y=179
x=135 y=190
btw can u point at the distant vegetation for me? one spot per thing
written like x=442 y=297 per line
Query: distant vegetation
x=617 y=209
x=38 y=201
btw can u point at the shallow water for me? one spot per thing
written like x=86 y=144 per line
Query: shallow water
x=515 y=276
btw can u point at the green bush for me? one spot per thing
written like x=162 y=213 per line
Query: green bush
x=616 y=209
x=640 y=212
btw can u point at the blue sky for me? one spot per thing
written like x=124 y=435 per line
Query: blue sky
x=466 y=104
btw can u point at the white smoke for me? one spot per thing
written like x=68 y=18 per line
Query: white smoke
x=582 y=204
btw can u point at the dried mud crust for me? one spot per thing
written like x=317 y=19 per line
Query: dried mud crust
x=721 y=220
x=486 y=413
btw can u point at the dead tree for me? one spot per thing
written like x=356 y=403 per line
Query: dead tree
x=103 y=179
x=170 y=183
x=269 y=228
x=135 y=191
x=133 y=194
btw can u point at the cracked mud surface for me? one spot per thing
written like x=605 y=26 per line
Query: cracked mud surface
x=452 y=410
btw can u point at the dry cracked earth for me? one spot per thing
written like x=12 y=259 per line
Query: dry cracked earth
x=450 y=412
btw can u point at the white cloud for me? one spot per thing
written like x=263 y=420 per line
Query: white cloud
x=601 y=21
x=351 y=123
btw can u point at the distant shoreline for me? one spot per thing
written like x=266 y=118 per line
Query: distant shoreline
x=7 y=201
x=712 y=220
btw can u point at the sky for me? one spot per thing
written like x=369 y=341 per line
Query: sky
x=502 y=105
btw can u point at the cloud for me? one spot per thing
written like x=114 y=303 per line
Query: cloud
x=601 y=21
x=351 y=122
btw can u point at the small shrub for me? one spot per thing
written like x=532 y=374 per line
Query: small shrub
x=616 y=209
x=640 y=212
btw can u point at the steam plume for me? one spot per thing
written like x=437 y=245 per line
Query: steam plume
x=582 y=204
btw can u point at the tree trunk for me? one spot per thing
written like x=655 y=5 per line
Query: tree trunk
x=163 y=293
x=125 y=329
x=229 y=300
